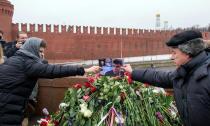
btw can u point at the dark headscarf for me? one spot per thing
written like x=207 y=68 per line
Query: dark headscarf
x=31 y=48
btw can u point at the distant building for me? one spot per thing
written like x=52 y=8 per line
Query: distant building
x=157 y=23
x=165 y=27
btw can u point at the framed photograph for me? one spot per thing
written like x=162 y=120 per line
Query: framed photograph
x=111 y=67
x=101 y=62
x=105 y=64
x=117 y=69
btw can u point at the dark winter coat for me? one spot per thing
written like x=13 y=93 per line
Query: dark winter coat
x=191 y=84
x=2 y=42
x=10 y=49
x=19 y=74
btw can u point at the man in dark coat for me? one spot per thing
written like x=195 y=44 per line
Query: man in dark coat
x=190 y=80
x=11 y=47
x=19 y=74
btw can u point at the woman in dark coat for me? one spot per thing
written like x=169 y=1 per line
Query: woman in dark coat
x=19 y=74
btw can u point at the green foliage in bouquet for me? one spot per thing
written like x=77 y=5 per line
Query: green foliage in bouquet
x=116 y=102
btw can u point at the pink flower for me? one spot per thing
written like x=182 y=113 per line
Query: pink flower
x=159 y=116
x=86 y=97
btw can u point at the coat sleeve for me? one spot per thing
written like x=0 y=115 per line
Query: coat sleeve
x=41 y=70
x=10 y=49
x=153 y=77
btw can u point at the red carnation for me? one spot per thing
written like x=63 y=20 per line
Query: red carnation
x=128 y=77
x=48 y=117
x=87 y=85
x=43 y=123
x=129 y=80
x=127 y=73
x=91 y=80
x=56 y=123
x=93 y=89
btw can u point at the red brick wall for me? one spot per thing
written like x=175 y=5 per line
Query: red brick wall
x=93 y=43
x=6 y=13
x=77 y=43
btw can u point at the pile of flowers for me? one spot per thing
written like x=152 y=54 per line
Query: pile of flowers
x=108 y=101
x=47 y=121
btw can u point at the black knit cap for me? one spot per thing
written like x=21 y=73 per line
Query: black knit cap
x=183 y=37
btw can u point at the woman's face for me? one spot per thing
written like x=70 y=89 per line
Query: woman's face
x=41 y=52
x=178 y=57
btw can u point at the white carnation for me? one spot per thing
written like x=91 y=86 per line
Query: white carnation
x=83 y=105
x=82 y=110
x=63 y=106
x=87 y=113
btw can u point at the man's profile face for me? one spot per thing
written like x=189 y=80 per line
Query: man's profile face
x=22 y=38
x=178 y=57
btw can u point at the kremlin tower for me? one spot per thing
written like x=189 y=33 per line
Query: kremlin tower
x=6 y=14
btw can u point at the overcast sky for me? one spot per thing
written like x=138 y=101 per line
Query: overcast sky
x=113 y=13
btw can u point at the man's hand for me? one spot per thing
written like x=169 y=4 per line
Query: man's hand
x=19 y=44
x=127 y=68
x=207 y=42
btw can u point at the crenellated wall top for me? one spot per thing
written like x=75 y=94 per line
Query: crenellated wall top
x=92 y=30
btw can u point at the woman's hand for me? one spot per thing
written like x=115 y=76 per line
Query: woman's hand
x=94 y=69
